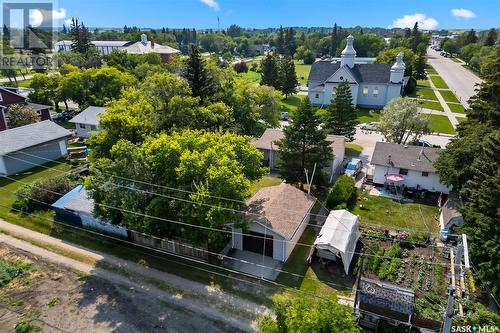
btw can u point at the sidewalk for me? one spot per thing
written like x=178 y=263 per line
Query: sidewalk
x=189 y=294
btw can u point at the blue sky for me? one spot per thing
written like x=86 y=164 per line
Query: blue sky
x=458 y=14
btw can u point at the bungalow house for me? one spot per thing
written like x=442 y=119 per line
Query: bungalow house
x=372 y=85
x=449 y=216
x=87 y=121
x=132 y=47
x=338 y=237
x=278 y=216
x=267 y=145
x=25 y=147
x=76 y=207
x=411 y=166
x=9 y=96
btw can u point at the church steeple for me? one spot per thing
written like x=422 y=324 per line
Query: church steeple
x=398 y=69
x=349 y=53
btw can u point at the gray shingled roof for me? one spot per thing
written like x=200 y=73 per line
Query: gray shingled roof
x=273 y=204
x=268 y=140
x=39 y=107
x=367 y=73
x=89 y=116
x=19 y=138
x=405 y=157
x=450 y=211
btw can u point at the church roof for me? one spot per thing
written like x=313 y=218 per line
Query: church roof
x=363 y=73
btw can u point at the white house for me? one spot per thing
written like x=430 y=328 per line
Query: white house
x=25 y=147
x=372 y=85
x=267 y=145
x=87 y=121
x=143 y=46
x=278 y=216
x=338 y=237
x=413 y=164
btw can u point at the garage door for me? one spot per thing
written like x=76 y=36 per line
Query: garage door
x=254 y=242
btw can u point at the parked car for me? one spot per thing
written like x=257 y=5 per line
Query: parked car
x=353 y=168
x=370 y=126
x=424 y=143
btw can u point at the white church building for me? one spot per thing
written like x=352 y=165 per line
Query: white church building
x=372 y=85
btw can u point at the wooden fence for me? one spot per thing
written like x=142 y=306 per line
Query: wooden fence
x=179 y=246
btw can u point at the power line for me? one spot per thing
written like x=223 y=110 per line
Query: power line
x=185 y=223
x=191 y=201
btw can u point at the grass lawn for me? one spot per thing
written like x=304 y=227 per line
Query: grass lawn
x=456 y=60
x=461 y=119
x=353 y=150
x=312 y=281
x=438 y=82
x=449 y=96
x=291 y=103
x=24 y=83
x=265 y=181
x=391 y=213
x=454 y=107
x=251 y=76
x=424 y=94
x=440 y=124
x=302 y=71
x=7 y=197
x=431 y=105
x=429 y=69
x=423 y=83
x=367 y=115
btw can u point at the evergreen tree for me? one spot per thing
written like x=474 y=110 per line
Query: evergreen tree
x=270 y=71
x=289 y=42
x=335 y=41
x=420 y=70
x=200 y=80
x=64 y=29
x=80 y=37
x=303 y=145
x=287 y=77
x=280 y=41
x=341 y=116
x=491 y=37
x=415 y=38
x=471 y=37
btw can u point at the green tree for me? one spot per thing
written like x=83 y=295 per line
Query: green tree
x=341 y=192
x=80 y=37
x=302 y=313
x=44 y=89
x=420 y=67
x=206 y=164
x=200 y=79
x=341 y=114
x=401 y=121
x=303 y=145
x=389 y=57
x=21 y=115
x=234 y=31
x=288 y=77
x=491 y=37
x=270 y=71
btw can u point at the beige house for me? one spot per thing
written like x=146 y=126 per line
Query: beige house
x=267 y=145
x=278 y=214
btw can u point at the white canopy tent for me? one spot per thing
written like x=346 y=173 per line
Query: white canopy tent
x=338 y=237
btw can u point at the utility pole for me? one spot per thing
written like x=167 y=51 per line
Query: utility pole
x=455 y=291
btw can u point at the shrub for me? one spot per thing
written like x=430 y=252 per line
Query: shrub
x=26 y=326
x=389 y=269
x=9 y=271
x=240 y=67
x=308 y=57
x=341 y=192
x=394 y=251
x=41 y=194
x=411 y=86
x=254 y=67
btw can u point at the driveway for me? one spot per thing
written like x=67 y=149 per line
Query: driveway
x=460 y=80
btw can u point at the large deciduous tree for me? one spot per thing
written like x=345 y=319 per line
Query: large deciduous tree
x=204 y=165
x=20 y=115
x=303 y=145
x=341 y=115
x=303 y=313
x=402 y=122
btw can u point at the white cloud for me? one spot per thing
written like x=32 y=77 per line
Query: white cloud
x=68 y=21
x=463 y=13
x=37 y=16
x=408 y=21
x=212 y=4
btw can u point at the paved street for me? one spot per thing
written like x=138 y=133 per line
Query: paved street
x=460 y=80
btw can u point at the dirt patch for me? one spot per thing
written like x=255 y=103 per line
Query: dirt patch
x=57 y=299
